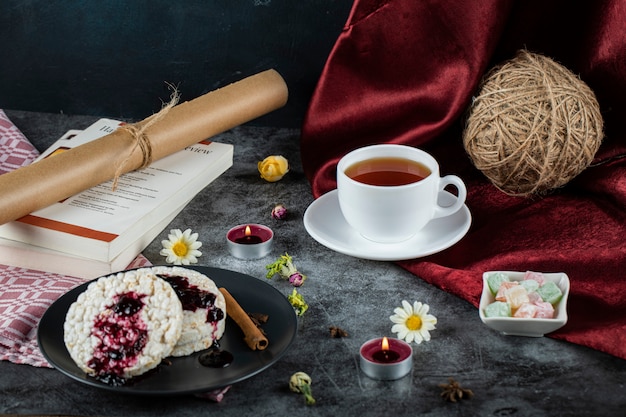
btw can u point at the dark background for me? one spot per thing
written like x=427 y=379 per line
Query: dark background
x=113 y=58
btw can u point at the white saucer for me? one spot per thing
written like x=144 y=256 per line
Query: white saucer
x=325 y=223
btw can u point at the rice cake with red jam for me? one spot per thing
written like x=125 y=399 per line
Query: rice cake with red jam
x=123 y=325
x=204 y=308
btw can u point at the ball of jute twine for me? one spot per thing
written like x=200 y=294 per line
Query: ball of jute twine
x=533 y=126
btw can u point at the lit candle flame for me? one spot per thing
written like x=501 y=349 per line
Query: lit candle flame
x=248 y=232
x=385 y=343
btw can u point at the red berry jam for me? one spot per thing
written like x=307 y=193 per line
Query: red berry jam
x=193 y=298
x=216 y=358
x=122 y=335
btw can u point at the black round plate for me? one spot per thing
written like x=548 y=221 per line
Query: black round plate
x=185 y=375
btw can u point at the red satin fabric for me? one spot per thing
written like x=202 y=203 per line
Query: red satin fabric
x=404 y=71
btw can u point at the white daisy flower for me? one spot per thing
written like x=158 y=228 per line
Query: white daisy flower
x=412 y=322
x=181 y=248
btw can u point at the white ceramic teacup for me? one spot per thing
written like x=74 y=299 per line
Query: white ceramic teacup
x=393 y=213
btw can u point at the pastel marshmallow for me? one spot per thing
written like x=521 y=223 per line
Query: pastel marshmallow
x=526 y=310
x=537 y=276
x=504 y=287
x=534 y=298
x=495 y=280
x=550 y=292
x=531 y=285
x=516 y=296
x=544 y=310
x=498 y=309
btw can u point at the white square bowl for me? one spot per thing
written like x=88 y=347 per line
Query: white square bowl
x=530 y=327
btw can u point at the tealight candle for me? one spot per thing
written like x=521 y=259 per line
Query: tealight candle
x=249 y=241
x=386 y=358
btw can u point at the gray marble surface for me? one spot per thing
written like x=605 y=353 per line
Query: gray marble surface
x=510 y=376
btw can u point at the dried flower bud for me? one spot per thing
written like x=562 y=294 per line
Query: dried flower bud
x=297 y=302
x=297 y=279
x=273 y=168
x=279 y=212
x=286 y=269
x=300 y=383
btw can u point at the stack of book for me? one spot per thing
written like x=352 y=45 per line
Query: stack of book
x=101 y=230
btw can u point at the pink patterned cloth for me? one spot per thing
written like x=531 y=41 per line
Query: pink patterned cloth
x=15 y=149
x=25 y=294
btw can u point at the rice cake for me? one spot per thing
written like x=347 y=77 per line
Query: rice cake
x=204 y=308
x=123 y=325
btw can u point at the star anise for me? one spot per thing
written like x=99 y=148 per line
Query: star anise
x=337 y=332
x=259 y=319
x=452 y=391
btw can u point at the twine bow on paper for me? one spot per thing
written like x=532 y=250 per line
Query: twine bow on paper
x=138 y=132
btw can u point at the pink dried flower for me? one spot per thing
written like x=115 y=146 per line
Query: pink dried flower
x=296 y=279
x=279 y=212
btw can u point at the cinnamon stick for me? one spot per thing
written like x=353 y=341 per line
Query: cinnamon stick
x=253 y=336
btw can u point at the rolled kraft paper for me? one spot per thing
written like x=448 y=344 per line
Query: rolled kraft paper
x=43 y=183
x=252 y=335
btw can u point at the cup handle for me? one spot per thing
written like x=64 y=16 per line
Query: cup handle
x=441 y=211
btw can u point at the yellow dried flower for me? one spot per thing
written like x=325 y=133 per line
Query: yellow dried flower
x=273 y=168
x=297 y=302
x=300 y=383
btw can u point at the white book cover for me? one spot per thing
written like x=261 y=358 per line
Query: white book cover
x=100 y=223
x=23 y=255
